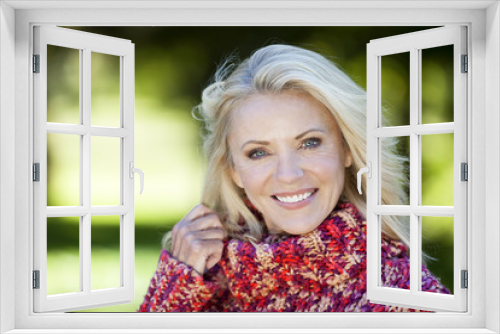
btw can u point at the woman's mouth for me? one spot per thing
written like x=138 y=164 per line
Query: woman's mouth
x=294 y=197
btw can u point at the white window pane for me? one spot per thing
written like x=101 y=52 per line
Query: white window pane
x=395 y=89
x=105 y=171
x=105 y=90
x=63 y=85
x=395 y=171
x=437 y=246
x=395 y=255
x=437 y=85
x=63 y=255
x=437 y=170
x=105 y=252
x=63 y=170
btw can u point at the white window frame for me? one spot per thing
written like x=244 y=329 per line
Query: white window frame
x=16 y=21
x=414 y=43
x=85 y=43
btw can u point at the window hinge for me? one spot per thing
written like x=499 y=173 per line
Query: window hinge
x=465 y=279
x=36 y=279
x=36 y=172
x=36 y=63
x=464 y=171
x=465 y=64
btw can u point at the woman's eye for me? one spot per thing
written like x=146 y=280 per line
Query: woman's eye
x=256 y=154
x=311 y=143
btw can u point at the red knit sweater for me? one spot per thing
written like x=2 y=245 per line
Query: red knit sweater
x=323 y=271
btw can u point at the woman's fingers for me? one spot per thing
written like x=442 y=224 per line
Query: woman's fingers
x=197 y=239
x=210 y=221
x=202 y=253
x=183 y=227
x=206 y=222
x=212 y=233
x=205 y=255
x=216 y=255
x=198 y=211
x=194 y=243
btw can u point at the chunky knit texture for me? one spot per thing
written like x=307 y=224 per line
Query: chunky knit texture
x=322 y=271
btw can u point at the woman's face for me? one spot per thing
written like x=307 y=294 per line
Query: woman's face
x=289 y=158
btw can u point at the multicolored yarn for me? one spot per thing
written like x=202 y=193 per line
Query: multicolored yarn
x=322 y=271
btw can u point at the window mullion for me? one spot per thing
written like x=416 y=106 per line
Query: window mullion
x=127 y=249
x=406 y=210
x=420 y=129
x=73 y=129
x=415 y=81
x=85 y=243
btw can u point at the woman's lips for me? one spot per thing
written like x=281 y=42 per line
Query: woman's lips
x=295 y=200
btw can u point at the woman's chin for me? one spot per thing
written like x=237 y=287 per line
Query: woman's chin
x=295 y=227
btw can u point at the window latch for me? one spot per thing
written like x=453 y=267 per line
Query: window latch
x=136 y=170
x=363 y=170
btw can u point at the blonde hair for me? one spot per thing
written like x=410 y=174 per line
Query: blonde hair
x=271 y=70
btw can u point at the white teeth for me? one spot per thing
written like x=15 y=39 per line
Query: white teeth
x=294 y=198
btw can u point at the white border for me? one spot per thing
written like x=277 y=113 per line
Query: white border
x=7 y=166
x=248 y=4
x=492 y=163
x=482 y=150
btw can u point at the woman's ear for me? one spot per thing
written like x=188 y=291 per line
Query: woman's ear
x=236 y=177
x=347 y=156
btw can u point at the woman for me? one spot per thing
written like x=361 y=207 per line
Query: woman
x=282 y=227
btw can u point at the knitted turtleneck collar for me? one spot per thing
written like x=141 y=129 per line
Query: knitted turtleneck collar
x=331 y=256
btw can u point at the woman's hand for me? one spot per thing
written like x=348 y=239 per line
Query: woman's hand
x=197 y=239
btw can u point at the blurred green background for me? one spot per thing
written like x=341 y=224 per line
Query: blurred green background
x=172 y=66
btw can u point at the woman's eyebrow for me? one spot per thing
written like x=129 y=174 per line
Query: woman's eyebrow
x=263 y=142
x=259 y=142
x=310 y=130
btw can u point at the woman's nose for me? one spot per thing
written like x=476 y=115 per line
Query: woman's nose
x=289 y=169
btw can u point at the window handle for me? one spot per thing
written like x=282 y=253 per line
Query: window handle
x=137 y=170
x=363 y=170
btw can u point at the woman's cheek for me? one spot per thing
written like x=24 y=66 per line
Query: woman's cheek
x=254 y=166
x=252 y=175
x=322 y=162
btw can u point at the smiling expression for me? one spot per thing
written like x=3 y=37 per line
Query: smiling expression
x=290 y=159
